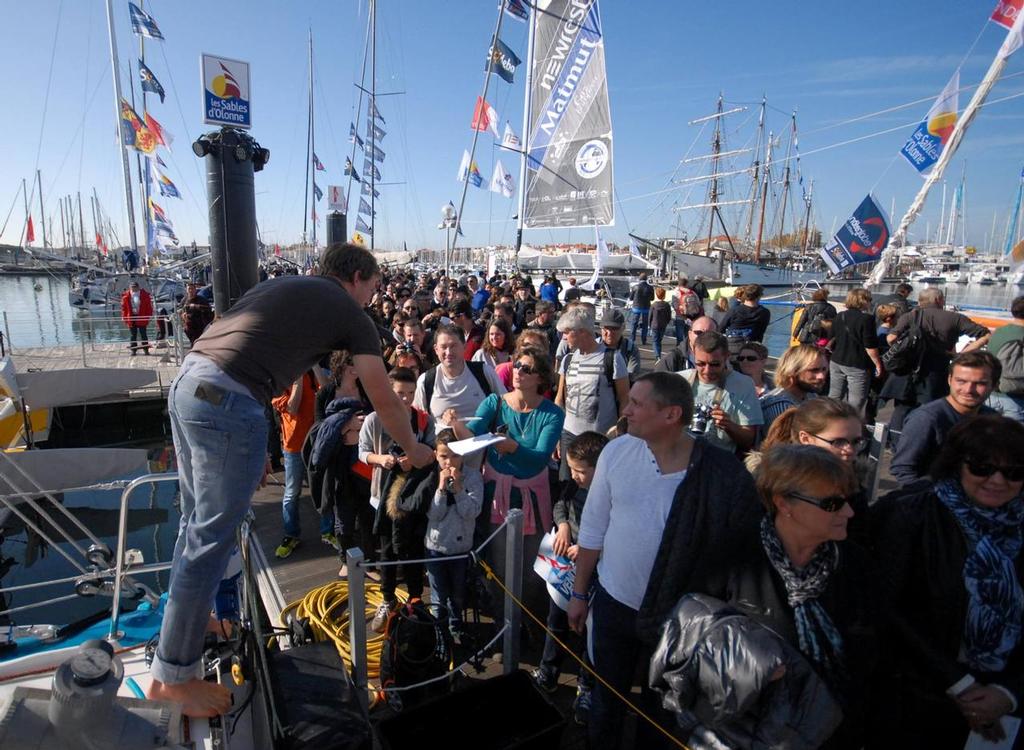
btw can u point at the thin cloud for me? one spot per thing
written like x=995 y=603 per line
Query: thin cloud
x=869 y=67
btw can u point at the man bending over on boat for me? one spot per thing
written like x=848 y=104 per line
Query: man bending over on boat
x=274 y=333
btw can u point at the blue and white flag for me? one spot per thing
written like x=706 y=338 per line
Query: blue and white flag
x=504 y=62
x=517 y=10
x=317 y=163
x=149 y=82
x=501 y=181
x=375 y=153
x=369 y=168
x=142 y=23
x=861 y=238
x=634 y=249
x=509 y=139
x=375 y=113
x=367 y=190
x=364 y=208
x=350 y=169
x=926 y=143
x=361 y=226
x=375 y=131
x=317 y=191
x=470 y=170
x=358 y=141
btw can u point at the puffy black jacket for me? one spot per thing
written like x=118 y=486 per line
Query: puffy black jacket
x=717 y=671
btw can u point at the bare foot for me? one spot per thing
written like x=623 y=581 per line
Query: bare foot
x=198 y=698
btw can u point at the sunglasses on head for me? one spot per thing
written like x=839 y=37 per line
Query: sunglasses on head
x=748 y=358
x=524 y=368
x=829 y=504
x=1014 y=473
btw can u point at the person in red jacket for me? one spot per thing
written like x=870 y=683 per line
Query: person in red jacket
x=136 y=312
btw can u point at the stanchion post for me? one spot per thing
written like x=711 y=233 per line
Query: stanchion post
x=7 y=334
x=357 y=622
x=514 y=582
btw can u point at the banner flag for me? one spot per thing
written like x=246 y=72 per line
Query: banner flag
x=142 y=23
x=517 y=10
x=469 y=169
x=367 y=190
x=376 y=131
x=861 y=238
x=509 y=139
x=505 y=61
x=634 y=249
x=350 y=170
x=167 y=188
x=30 y=231
x=351 y=130
x=925 y=145
x=133 y=133
x=336 y=199
x=375 y=153
x=1006 y=13
x=569 y=146
x=358 y=141
x=317 y=164
x=376 y=113
x=162 y=135
x=369 y=168
x=364 y=208
x=501 y=181
x=361 y=225
x=485 y=118
x=160 y=162
x=149 y=82
x=317 y=191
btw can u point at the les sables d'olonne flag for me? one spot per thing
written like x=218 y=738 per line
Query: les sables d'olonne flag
x=469 y=169
x=925 y=145
x=167 y=188
x=143 y=23
x=485 y=118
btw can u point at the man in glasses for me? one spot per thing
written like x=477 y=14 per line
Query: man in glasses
x=972 y=378
x=728 y=397
x=681 y=357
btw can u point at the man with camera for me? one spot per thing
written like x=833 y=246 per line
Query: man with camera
x=726 y=410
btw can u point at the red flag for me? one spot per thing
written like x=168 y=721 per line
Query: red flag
x=277 y=249
x=163 y=137
x=484 y=117
x=30 y=233
x=1006 y=12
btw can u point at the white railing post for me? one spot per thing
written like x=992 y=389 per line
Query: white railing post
x=514 y=583
x=354 y=559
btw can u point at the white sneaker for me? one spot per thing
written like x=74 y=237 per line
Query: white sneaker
x=380 y=617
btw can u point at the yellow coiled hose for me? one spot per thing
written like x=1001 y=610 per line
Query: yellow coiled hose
x=326 y=608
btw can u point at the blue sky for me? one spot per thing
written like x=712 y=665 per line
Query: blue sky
x=667 y=62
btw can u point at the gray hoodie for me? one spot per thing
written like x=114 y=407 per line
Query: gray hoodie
x=450 y=525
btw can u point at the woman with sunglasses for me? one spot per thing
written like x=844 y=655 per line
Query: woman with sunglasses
x=951 y=577
x=752 y=360
x=516 y=469
x=807 y=581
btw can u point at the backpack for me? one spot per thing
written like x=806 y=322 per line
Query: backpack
x=417 y=648
x=1011 y=357
x=430 y=379
x=609 y=369
x=809 y=330
x=906 y=352
x=688 y=304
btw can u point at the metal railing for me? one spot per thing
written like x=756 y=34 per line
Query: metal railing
x=513 y=574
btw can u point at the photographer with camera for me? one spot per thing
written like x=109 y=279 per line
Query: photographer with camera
x=726 y=410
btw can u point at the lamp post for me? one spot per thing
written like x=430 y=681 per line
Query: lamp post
x=449 y=217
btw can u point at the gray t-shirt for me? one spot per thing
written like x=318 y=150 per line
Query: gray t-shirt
x=738 y=400
x=462 y=393
x=589 y=397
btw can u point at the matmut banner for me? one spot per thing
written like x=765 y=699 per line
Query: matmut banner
x=861 y=238
x=1006 y=12
x=569 y=152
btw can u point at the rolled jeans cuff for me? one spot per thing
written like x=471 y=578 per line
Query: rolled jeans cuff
x=172 y=674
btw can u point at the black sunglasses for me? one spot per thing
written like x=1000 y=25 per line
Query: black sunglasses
x=829 y=504
x=524 y=368
x=978 y=468
x=748 y=358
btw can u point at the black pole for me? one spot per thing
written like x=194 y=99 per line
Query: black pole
x=232 y=157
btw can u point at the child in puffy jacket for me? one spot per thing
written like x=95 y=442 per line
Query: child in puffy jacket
x=451 y=519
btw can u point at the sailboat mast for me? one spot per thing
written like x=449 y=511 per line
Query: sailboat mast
x=756 y=176
x=942 y=216
x=63 y=228
x=309 y=144
x=766 y=176
x=524 y=145
x=125 y=168
x=716 y=149
x=81 y=222
x=373 y=130
x=786 y=183
x=807 y=220
x=143 y=173
x=28 y=216
x=42 y=216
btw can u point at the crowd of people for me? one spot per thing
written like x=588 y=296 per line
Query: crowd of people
x=722 y=521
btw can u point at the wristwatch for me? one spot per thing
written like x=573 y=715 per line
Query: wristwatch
x=581 y=597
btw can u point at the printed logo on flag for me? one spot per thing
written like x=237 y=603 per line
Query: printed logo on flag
x=591 y=159
x=226 y=92
x=925 y=145
x=1006 y=12
x=860 y=239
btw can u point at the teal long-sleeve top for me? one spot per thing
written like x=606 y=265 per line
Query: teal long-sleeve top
x=537 y=433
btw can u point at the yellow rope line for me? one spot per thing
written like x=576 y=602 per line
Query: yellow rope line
x=492 y=576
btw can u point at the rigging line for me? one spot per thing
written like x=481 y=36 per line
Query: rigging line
x=10 y=211
x=974 y=44
x=85 y=88
x=885 y=172
x=71 y=141
x=181 y=114
x=49 y=81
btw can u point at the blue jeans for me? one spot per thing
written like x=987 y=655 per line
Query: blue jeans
x=659 y=334
x=1011 y=407
x=294 y=471
x=681 y=329
x=615 y=651
x=220 y=441
x=641 y=318
x=448 y=585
